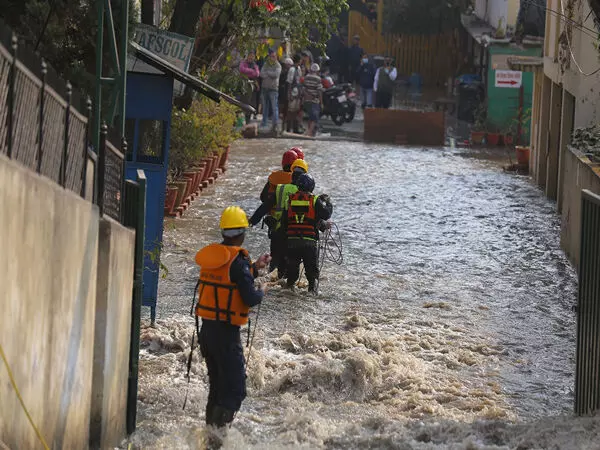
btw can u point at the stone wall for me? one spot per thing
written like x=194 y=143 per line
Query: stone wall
x=579 y=173
x=113 y=321
x=419 y=128
x=49 y=248
x=66 y=281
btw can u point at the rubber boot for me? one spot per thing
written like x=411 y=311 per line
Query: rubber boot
x=221 y=417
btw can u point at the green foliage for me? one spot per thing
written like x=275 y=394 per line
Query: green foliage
x=523 y=119
x=480 y=118
x=422 y=16
x=68 y=42
x=204 y=128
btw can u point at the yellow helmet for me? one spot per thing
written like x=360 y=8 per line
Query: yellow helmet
x=300 y=163
x=233 y=217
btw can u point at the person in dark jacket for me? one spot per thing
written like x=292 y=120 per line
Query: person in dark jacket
x=226 y=292
x=366 y=78
x=307 y=214
x=355 y=53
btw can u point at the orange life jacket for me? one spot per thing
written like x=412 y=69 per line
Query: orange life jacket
x=219 y=298
x=279 y=177
x=301 y=216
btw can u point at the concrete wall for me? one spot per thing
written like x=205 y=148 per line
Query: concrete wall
x=579 y=173
x=49 y=245
x=112 y=336
x=495 y=11
x=420 y=128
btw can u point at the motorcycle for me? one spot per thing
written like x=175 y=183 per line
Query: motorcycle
x=339 y=104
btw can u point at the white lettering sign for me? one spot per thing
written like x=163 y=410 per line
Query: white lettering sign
x=509 y=79
x=172 y=47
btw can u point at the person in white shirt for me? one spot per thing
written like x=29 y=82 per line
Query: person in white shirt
x=383 y=85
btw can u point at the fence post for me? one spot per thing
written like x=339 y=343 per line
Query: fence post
x=11 y=94
x=88 y=110
x=123 y=177
x=65 y=155
x=41 y=118
x=101 y=167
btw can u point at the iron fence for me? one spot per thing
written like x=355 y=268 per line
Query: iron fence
x=46 y=126
x=587 y=371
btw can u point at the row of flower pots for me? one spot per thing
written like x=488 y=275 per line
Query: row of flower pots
x=479 y=137
x=182 y=192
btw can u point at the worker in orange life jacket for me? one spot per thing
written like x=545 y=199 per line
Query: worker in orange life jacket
x=306 y=215
x=283 y=176
x=226 y=294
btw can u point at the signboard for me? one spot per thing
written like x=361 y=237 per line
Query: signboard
x=172 y=47
x=508 y=79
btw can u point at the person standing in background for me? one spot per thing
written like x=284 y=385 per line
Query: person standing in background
x=366 y=80
x=355 y=53
x=251 y=71
x=270 y=89
x=384 y=84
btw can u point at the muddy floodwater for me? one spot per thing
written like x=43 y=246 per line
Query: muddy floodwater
x=450 y=323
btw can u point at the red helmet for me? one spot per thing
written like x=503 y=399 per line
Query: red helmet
x=288 y=158
x=298 y=151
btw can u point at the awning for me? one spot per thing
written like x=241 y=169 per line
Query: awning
x=198 y=85
x=525 y=63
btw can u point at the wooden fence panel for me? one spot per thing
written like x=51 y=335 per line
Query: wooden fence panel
x=434 y=57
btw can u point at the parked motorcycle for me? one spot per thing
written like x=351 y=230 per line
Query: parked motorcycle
x=339 y=104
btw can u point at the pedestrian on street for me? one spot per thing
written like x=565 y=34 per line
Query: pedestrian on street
x=355 y=53
x=270 y=89
x=226 y=294
x=384 y=84
x=307 y=214
x=366 y=80
x=313 y=98
x=293 y=119
x=284 y=98
x=249 y=69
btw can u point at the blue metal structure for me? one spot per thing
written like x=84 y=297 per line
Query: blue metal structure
x=147 y=125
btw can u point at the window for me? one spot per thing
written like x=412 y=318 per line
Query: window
x=150 y=140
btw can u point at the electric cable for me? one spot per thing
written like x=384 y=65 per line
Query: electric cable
x=16 y=389
x=571 y=51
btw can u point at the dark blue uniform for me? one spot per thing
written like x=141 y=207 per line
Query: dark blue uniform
x=221 y=348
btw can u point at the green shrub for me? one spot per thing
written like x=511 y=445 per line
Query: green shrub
x=204 y=128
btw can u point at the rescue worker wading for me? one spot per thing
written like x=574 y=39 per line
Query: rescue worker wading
x=226 y=294
x=307 y=214
x=276 y=204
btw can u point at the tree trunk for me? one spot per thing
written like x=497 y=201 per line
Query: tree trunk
x=148 y=12
x=186 y=16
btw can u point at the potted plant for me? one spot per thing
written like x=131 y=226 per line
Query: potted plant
x=522 y=149
x=478 y=129
x=508 y=135
x=493 y=136
x=170 y=196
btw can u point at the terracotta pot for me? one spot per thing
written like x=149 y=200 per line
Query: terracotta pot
x=493 y=138
x=477 y=137
x=224 y=158
x=522 y=155
x=170 y=198
x=199 y=177
x=181 y=187
x=508 y=139
x=189 y=177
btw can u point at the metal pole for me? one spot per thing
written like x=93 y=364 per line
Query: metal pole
x=86 y=142
x=41 y=118
x=11 y=95
x=65 y=155
x=99 y=59
x=123 y=64
x=519 y=125
x=101 y=167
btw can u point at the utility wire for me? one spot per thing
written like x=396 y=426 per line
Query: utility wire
x=571 y=50
x=14 y=385
x=594 y=33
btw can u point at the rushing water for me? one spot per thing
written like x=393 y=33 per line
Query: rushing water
x=449 y=324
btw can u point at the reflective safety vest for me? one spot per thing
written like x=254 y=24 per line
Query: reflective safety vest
x=301 y=215
x=279 y=177
x=282 y=196
x=219 y=298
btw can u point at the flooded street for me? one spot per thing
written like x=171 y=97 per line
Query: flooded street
x=448 y=325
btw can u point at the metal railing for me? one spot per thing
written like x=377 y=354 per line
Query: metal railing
x=134 y=216
x=46 y=126
x=587 y=371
